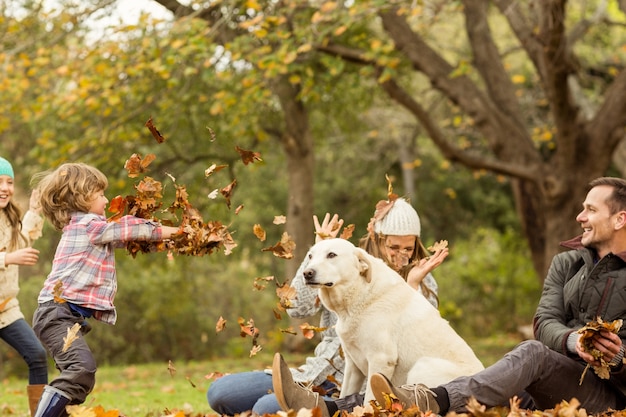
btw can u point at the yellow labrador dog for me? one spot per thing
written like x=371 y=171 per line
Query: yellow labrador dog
x=384 y=325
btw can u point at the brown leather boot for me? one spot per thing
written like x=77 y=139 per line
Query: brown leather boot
x=289 y=394
x=34 y=394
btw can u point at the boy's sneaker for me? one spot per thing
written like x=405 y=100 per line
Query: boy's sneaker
x=408 y=395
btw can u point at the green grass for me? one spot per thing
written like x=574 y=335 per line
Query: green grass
x=149 y=390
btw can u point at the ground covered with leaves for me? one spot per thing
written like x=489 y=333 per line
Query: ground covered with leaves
x=474 y=409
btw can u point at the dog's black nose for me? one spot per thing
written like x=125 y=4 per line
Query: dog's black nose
x=309 y=274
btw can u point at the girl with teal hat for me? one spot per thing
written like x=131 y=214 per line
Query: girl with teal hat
x=17 y=234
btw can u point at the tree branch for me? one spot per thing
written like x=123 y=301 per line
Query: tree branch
x=450 y=151
x=488 y=117
x=523 y=29
x=488 y=62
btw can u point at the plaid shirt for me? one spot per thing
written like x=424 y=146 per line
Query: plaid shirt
x=85 y=260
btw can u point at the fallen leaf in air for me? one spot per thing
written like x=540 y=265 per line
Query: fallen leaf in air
x=248 y=156
x=347 y=231
x=280 y=219
x=442 y=244
x=220 y=325
x=255 y=349
x=72 y=334
x=213 y=169
x=227 y=191
x=213 y=137
x=259 y=232
x=284 y=248
x=170 y=368
x=157 y=135
x=57 y=291
x=309 y=331
x=135 y=165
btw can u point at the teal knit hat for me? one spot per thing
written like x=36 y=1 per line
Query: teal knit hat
x=6 y=168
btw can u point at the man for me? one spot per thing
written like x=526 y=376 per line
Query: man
x=584 y=283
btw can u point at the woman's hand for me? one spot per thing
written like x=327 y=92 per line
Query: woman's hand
x=25 y=256
x=328 y=229
x=424 y=266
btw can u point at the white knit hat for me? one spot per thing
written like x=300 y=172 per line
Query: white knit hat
x=401 y=220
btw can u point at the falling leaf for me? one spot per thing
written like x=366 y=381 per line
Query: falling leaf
x=220 y=325
x=347 y=231
x=284 y=248
x=213 y=137
x=255 y=349
x=171 y=176
x=57 y=291
x=442 y=244
x=259 y=232
x=259 y=282
x=285 y=294
x=72 y=334
x=157 y=135
x=190 y=381
x=238 y=209
x=213 y=169
x=289 y=330
x=214 y=375
x=213 y=194
x=309 y=331
x=135 y=165
x=170 y=368
x=228 y=191
x=280 y=219
x=247 y=329
x=248 y=156
x=390 y=194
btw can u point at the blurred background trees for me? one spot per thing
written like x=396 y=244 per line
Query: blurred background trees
x=490 y=116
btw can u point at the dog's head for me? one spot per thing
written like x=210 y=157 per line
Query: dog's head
x=334 y=261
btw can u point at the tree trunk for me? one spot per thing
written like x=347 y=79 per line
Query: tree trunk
x=297 y=143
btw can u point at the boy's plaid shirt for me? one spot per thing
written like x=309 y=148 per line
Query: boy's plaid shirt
x=85 y=260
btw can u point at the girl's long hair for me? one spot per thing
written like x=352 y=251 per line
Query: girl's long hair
x=14 y=214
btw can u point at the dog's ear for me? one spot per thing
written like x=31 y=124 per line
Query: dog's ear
x=365 y=266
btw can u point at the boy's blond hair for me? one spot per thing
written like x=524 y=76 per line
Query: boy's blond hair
x=68 y=189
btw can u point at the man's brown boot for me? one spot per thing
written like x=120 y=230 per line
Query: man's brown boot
x=289 y=394
x=408 y=395
x=34 y=394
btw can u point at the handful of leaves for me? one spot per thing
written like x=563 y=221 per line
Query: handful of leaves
x=586 y=340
